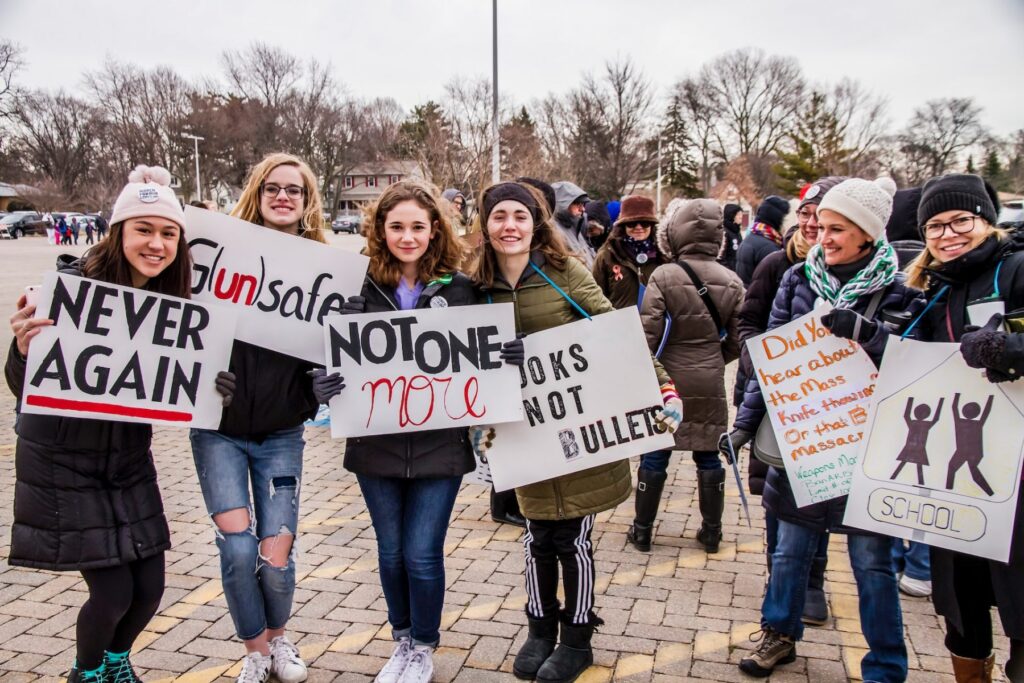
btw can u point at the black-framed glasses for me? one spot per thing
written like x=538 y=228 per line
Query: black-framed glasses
x=805 y=214
x=961 y=225
x=271 y=190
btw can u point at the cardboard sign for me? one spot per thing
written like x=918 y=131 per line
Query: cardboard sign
x=817 y=388
x=589 y=394
x=431 y=368
x=941 y=463
x=282 y=286
x=125 y=354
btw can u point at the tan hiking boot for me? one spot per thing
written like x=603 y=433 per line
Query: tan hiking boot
x=774 y=649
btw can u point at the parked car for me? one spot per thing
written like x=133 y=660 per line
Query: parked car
x=21 y=223
x=1012 y=213
x=346 y=222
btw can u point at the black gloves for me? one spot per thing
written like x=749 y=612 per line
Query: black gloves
x=326 y=387
x=354 y=304
x=847 y=324
x=983 y=348
x=225 y=384
x=514 y=352
x=738 y=438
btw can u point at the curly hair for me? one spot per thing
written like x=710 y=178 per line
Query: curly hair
x=311 y=225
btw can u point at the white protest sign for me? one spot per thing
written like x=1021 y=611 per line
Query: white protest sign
x=941 y=463
x=590 y=395
x=281 y=285
x=428 y=368
x=817 y=388
x=125 y=354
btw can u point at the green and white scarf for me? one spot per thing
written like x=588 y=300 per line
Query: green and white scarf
x=878 y=274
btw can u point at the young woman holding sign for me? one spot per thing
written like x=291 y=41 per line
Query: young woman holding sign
x=87 y=497
x=974 y=277
x=409 y=480
x=525 y=262
x=260 y=440
x=853 y=268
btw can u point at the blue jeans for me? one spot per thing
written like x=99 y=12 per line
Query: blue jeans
x=657 y=461
x=410 y=518
x=259 y=595
x=915 y=561
x=880 y=615
x=771 y=536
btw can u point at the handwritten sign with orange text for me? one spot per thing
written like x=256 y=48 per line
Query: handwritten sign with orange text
x=817 y=389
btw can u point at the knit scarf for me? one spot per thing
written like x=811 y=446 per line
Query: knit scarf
x=634 y=247
x=766 y=231
x=878 y=274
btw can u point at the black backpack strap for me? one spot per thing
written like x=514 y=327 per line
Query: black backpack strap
x=705 y=296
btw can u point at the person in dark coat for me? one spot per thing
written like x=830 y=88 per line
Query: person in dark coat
x=599 y=222
x=853 y=268
x=967 y=259
x=732 y=237
x=902 y=229
x=765 y=236
x=86 y=497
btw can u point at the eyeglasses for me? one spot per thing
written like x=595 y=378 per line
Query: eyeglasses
x=805 y=214
x=636 y=226
x=961 y=225
x=270 y=190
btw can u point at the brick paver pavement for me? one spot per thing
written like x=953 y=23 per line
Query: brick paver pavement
x=675 y=614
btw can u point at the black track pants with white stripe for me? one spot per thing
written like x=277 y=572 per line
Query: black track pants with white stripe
x=548 y=543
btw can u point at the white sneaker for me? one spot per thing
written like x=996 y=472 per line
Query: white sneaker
x=255 y=668
x=287 y=666
x=395 y=667
x=420 y=667
x=915 y=587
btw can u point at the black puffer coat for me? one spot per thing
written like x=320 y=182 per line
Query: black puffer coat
x=794 y=299
x=414 y=455
x=85 y=493
x=273 y=392
x=753 y=249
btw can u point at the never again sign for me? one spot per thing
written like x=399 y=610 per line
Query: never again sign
x=124 y=354
x=430 y=368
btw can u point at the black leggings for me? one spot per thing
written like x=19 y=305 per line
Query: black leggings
x=121 y=602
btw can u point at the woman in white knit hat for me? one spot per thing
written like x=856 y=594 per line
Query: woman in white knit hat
x=853 y=268
x=86 y=497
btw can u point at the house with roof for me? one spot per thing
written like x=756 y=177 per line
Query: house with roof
x=364 y=182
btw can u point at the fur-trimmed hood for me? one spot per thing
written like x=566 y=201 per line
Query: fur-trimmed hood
x=690 y=227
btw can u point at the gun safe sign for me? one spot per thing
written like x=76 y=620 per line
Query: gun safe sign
x=589 y=394
x=124 y=354
x=282 y=286
x=817 y=388
x=422 y=369
x=941 y=463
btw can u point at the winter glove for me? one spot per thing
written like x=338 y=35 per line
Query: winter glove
x=513 y=352
x=326 y=387
x=226 y=385
x=670 y=416
x=847 y=324
x=482 y=438
x=983 y=348
x=737 y=439
x=354 y=304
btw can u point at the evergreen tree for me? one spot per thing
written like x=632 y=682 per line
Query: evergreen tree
x=679 y=169
x=817 y=147
x=993 y=170
x=970 y=165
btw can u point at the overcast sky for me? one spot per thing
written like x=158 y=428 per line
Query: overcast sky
x=908 y=50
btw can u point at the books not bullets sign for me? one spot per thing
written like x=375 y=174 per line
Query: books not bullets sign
x=589 y=394
x=817 y=389
x=125 y=354
x=428 y=368
x=282 y=286
x=941 y=463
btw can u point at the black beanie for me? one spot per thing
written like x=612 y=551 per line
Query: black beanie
x=963 y=191
x=772 y=211
x=597 y=211
x=729 y=213
x=502 y=191
x=545 y=189
x=902 y=223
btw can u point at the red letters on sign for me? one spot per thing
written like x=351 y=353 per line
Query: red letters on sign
x=421 y=383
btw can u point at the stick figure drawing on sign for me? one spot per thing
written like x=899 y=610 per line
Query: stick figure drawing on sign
x=914 y=450
x=968 y=427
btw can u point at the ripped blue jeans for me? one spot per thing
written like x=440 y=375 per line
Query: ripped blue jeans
x=259 y=595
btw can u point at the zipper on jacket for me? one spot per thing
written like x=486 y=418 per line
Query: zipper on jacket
x=388 y=298
x=559 y=507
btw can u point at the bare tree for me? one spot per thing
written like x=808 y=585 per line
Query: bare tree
x=693 y=100
x=263 y=73
x=938 y=133
x=467 y=104
x=10 y=63
x=862 y=122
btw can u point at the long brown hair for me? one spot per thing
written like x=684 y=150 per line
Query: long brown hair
x=918 y=269
x=444 y=252
x=311 y=225
x=106 y=262
x=546 y=239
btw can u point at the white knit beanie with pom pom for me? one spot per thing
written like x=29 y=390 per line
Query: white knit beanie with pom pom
x=866 y=203
x=148 y=193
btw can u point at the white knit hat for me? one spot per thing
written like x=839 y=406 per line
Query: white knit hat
x=865 y=203
x=148 y=193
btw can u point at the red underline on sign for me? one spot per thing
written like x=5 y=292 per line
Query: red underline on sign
x=107 y=409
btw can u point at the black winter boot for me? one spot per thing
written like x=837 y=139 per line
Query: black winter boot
x=505 y=508
x=538 y=647
x=649 y=486
x=816 y=603
x=572 y=656
x=711 y=491
x=77 y=675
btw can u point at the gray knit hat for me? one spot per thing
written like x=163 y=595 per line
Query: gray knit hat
x=866 y=203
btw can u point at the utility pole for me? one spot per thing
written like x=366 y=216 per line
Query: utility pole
x=195 y=139
x=495 y=150
x=658 y=200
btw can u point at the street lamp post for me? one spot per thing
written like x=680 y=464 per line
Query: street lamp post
x=495 y=151
x=199 y=186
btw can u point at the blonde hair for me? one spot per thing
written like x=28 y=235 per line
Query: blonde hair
x=444 y=253
x=797 y=247
x=311 y=225
x=918 y=269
